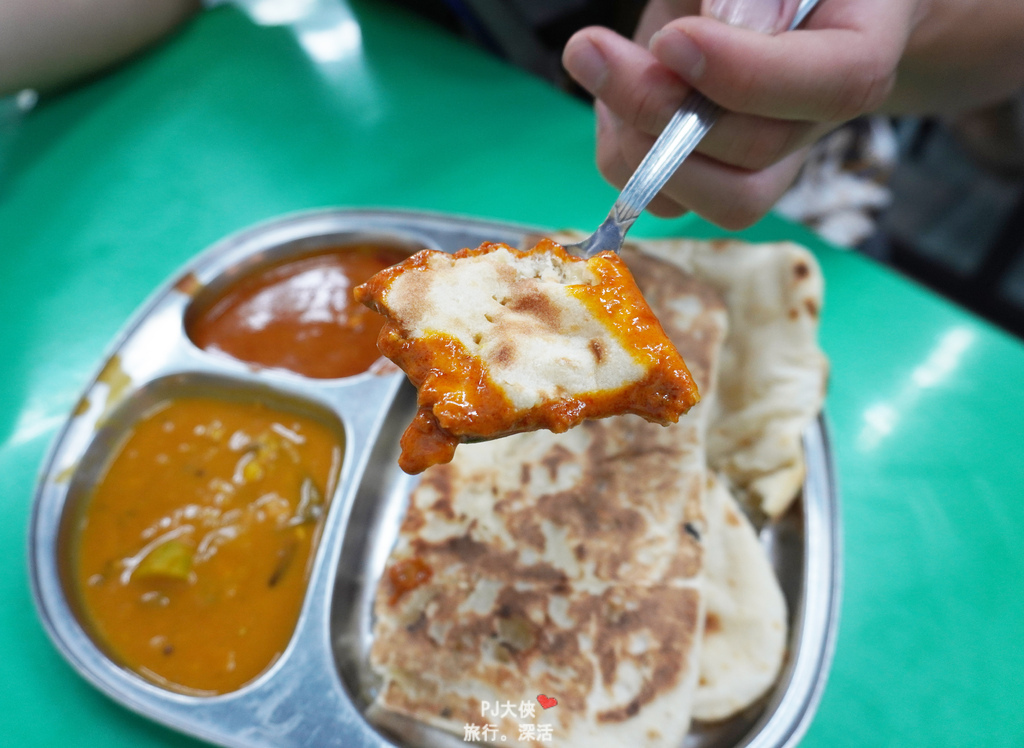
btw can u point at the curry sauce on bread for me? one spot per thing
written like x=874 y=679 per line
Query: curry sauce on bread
x=500 y=341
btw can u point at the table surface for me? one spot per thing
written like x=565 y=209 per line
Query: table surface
x=108 y=188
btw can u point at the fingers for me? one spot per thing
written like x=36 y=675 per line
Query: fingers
x=831 y=73
x=644 y=95
x=625 y=76
x=750 y=142
x=730 y=197
x=613 y=166
x=780 y=94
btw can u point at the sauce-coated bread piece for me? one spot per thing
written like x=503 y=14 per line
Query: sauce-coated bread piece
x=500 y=341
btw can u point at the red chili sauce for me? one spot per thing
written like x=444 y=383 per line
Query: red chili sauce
x=300 y=314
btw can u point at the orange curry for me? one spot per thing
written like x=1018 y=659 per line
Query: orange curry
x=300 y=315
x=459 y=400
x=192 y=553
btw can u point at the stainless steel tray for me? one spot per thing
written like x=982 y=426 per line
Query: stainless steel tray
x=318 y=692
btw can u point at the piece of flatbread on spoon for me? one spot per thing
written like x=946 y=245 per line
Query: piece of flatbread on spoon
x=499 y=341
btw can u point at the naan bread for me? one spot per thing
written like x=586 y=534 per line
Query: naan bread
x=499 y=341
x=745 y=627
x=567 y=565
x=559 y=563
x=774 y=373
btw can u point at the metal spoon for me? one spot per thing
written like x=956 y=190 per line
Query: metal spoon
x=685 y=130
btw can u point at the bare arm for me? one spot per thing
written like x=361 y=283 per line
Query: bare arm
x=47 y=43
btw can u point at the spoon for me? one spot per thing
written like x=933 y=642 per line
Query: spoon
x=685 y=130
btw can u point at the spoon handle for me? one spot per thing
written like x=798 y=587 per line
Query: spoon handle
x=680 y=137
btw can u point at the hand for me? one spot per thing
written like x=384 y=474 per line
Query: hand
x=782 y=93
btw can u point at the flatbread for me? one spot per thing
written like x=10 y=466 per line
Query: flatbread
x=567 y=565
x=499 y=341
x=773 y=372
x=553 y=558
x=745 y=628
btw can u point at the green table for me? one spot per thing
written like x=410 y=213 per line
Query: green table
x=107 y=189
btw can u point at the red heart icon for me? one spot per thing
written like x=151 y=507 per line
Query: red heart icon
x=547 y=701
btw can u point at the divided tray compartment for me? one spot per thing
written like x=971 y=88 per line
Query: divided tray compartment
x=320 y=690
